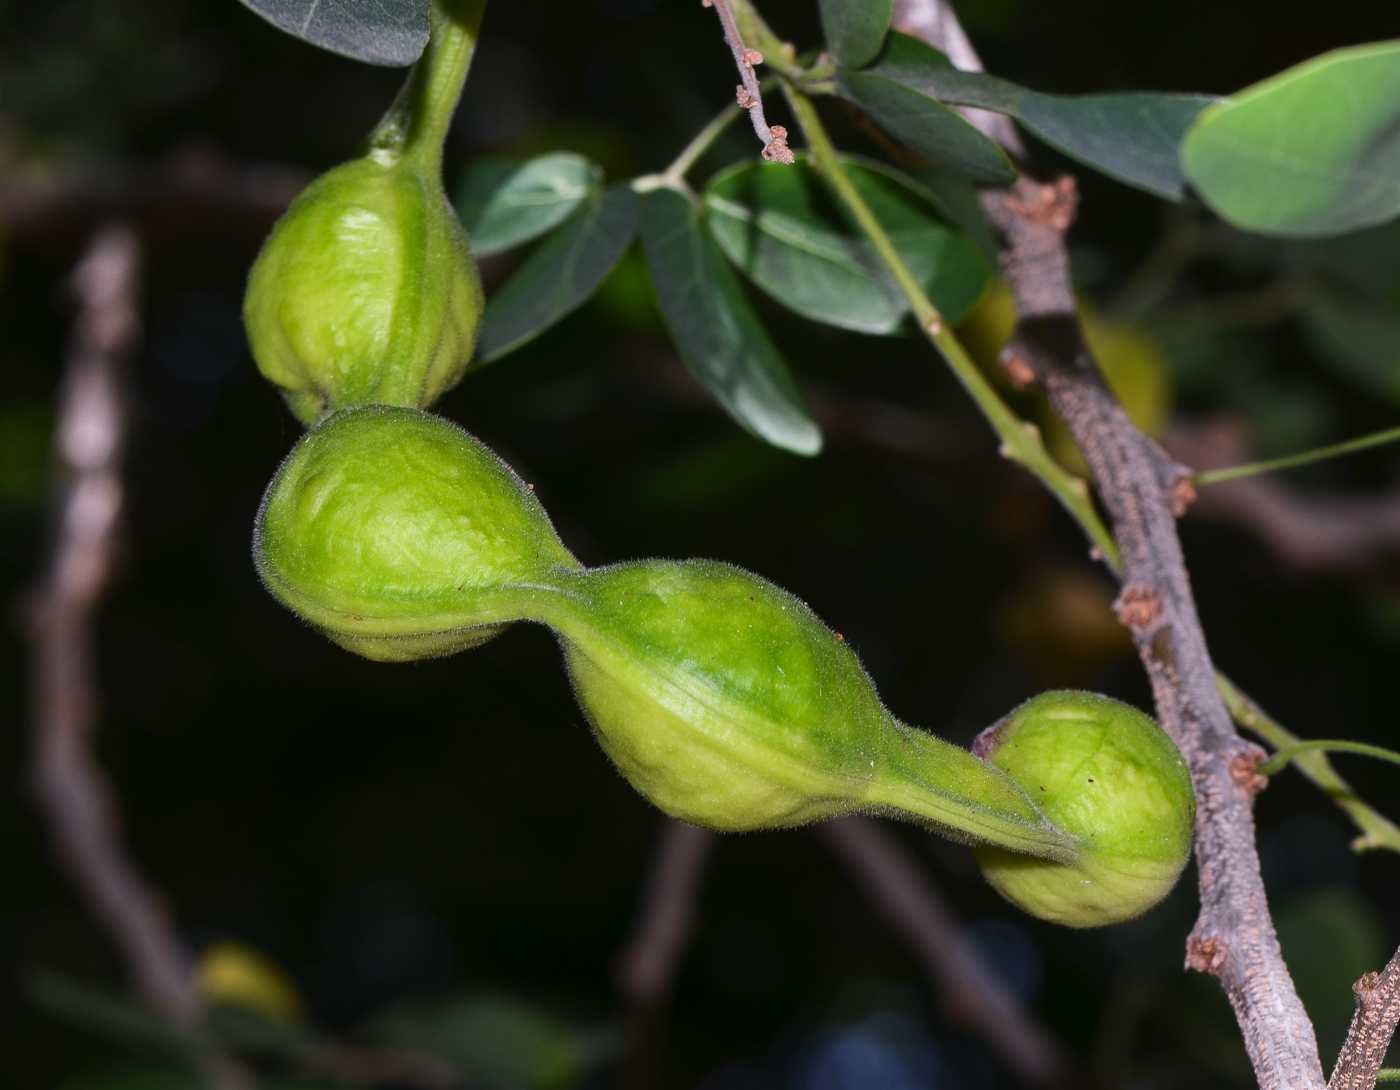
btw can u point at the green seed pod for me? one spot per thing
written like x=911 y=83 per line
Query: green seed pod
x=720 y=697
x=1107 y=774
x=365 y=292
x=727 y=703
x=402 y=537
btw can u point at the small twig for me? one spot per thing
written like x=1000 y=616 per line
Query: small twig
x=665 y=923
x=1311 y=532
x=973 y=992
x=749 y=96
x=71 y=788
x=1377 y=830
x=1307 y=457
x=1372 y=1027
x=1280 y=760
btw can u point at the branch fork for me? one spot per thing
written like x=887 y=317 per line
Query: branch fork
x=747 y=94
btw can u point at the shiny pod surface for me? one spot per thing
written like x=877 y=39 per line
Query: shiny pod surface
x=365 y=292
x=1107 y=774
x=401 y=536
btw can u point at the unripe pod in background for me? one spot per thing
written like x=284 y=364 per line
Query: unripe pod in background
x=401 y=536
x=1107 y=774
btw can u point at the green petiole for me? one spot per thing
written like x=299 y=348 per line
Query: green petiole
x=1307 y=457
x=416 y=123
x=1279 y=761
x=1020 y=440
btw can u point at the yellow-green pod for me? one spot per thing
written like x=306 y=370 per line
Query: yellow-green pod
x=1105 y=773
x=726 y=702
x=365 y=292
x=402 y=537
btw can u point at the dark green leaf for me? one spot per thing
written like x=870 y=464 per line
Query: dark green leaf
x=504 y=204
x=387 y=32
x=783 y=227
x=957 y=200
x=718 y=334
x=1134 y=138
x=562 y=273
x=1313 y=151
x=929 y=128
x=492 y=1040
x=855 y=29
x=919 y=66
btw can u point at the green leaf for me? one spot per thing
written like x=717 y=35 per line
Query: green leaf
x=493 y=1040
x=919 y=66
x=504 y=204
x=719 y=336
x=855 y=29
x=562 y=273
x=1313 y=151
x=783 y=227
x=957 y=199
x=929 y=128
x=387 y=32
x=1134 y=138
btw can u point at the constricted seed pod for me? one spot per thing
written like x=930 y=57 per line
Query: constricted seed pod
x=1105 y=773
x=402 y=537
x=723 y=699
x=365 y=291
x=726 y=702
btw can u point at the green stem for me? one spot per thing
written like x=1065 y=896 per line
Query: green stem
x=1279 y=761
x=1388 y=1074
x=691 y=153
x=1377 y=831
x=415 y=126
x=1231 y=473
x=1020 y=439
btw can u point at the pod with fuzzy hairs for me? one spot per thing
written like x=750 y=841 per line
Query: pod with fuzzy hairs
x=402 y=537
x=365 y=292
x=720 y=697
x=1105 y=773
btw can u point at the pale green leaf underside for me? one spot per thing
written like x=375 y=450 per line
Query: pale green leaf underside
x=1313 y=151
x=561 y=274
x=504 y=204
x=386 y=32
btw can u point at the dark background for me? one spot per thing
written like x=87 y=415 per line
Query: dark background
x=395 y=831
